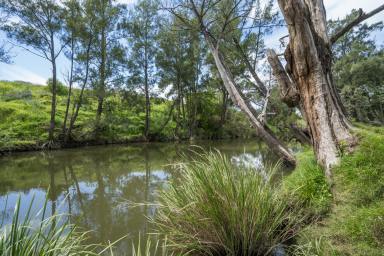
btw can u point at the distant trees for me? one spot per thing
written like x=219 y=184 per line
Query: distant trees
x=36 y=25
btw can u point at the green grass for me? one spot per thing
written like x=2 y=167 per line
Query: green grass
x=216 y=208
x=354 y=225
x=307 y=186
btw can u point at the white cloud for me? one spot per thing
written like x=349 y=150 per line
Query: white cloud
x=14 y=72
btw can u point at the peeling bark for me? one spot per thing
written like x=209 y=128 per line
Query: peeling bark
x=288 y=92
x=309 y=62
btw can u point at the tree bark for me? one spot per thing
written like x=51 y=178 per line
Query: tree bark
x=235 y=94
x=70 y=88
x=79 y=103
x=54 y=92
x=309 y=62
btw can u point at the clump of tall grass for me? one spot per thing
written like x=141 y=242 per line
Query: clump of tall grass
x=51 y=236
x=216 y=208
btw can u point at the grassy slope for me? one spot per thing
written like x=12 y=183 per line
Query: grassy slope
x=353 y=222
x=24 y=116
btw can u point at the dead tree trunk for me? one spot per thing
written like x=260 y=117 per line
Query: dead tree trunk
x=309 y=62
x=235 y=94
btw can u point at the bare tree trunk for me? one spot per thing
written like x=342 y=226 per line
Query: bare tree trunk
x=69 y=90
x=54 y=92
x=79 y=103
x=263 y=131
x=309 y=61
x=101 y=89
x=147 y=102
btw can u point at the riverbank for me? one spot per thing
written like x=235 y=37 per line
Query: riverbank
x=350 y=220
x=25 y=115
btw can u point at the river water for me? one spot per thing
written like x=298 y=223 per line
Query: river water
x=95 y=185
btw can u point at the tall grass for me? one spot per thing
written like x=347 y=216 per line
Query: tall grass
x=49 y=236
x=216 y=208
x=153 y=246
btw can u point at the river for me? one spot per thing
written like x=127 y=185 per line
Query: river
x=95 y=185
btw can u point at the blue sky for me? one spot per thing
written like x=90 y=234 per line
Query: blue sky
x=28 y=67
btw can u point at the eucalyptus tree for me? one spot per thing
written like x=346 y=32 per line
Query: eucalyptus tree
x=36 y=26
x=107 y=52
x=218 y=21
x=308 y=76
x=142 y=26
x=81 y=29
x=4 y=51
x=72 y=14
x=179 y=64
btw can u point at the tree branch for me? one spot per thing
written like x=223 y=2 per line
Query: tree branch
x=360 y=18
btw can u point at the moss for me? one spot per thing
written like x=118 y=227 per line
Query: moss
x=355 y=223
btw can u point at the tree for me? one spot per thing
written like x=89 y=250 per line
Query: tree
x=107 y=51
x=36 y=25
x=358 y=69
x=179 y=62
x=82 y=31
x=142 y=26
x=309 y=73
x=217 y=21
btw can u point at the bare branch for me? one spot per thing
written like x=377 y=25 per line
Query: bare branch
x=360 y=18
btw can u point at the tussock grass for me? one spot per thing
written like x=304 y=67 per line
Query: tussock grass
x=216 y=208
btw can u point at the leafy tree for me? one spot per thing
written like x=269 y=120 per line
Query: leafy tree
x=142 y=26
x=358 y=69
x=36 y=25
x=107 y=52
x=179 y=62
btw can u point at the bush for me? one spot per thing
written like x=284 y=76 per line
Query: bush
x=216 y=208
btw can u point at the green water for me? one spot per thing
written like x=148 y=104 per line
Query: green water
x=95 y=185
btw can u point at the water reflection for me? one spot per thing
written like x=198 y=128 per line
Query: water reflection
x=94 y=184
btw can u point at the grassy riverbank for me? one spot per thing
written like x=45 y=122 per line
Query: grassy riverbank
x=350 y=221
x=25 y=114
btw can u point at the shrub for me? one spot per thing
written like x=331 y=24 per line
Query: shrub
x=216 y=208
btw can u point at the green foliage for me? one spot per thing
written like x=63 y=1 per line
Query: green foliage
x=216 y=208
x=307 y=185
x=359 y=70
x=61 y=89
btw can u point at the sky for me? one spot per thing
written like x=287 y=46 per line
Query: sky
x=30 y=68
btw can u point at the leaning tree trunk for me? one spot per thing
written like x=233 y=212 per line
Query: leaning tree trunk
x=309 y=62
x=235 y=94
